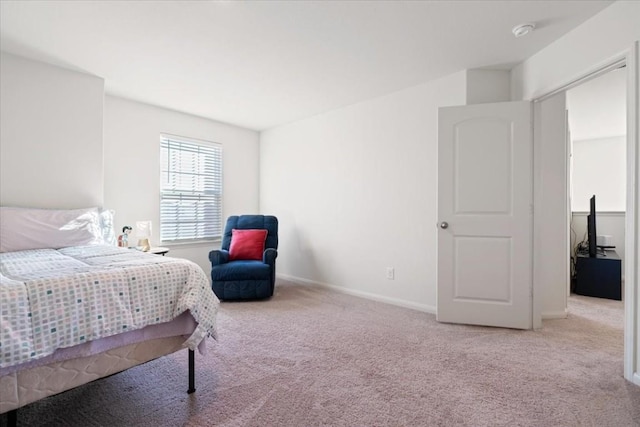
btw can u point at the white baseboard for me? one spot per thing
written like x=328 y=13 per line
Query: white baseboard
x=388 y=300
x=555 y=315
x=636 y=379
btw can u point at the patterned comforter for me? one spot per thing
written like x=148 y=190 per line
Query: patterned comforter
x=52 y=299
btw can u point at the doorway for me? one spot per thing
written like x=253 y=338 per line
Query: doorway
x=597 y=132
x=631 y=303
x=596 y=138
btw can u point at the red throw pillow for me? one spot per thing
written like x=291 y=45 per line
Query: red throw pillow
x=247 y=244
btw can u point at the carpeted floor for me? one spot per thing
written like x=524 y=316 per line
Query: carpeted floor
x=314 y=357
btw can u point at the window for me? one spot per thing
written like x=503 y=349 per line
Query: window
x=190 y=190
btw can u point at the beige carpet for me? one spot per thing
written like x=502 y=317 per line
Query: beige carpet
x=314 y=357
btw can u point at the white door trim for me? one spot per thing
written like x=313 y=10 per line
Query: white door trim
x=632 y=249
x=632 y=224
x=549 y=119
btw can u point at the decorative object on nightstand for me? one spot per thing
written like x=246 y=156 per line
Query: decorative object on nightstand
x=123 y=239
x=143 y=232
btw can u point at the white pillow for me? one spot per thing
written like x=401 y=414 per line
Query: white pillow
x=106 y=226
x=26 y=228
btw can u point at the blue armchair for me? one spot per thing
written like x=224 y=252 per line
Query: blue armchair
x=245 y=279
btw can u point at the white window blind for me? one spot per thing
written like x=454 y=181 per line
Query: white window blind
x=190 y=190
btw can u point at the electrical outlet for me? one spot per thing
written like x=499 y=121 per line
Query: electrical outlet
x=390 y=273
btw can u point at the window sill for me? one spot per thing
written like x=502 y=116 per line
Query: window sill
x=185 y=245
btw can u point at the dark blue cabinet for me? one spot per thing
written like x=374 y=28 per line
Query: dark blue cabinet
x=599 y=276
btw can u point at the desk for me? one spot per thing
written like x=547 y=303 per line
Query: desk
x=600 y=276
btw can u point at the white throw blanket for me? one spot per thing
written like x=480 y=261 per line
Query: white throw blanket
x=52 y=299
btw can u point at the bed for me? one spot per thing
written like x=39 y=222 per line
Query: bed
x=78 y=313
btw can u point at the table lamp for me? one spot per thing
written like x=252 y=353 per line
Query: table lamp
x=143 y=232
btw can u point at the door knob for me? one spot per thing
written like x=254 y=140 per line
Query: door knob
x=444 y=225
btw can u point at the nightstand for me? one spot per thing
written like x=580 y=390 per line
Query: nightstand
x=158 y=250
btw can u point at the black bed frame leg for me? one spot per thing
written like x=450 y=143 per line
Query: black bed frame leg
x=12 y=418
x=192 y=374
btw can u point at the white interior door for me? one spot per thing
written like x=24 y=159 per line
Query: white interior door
x=485 y=214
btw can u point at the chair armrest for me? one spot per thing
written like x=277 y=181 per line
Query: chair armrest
x=269 y=256
x=218 y=256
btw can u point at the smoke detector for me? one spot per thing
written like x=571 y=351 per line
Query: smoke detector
x=523 y=29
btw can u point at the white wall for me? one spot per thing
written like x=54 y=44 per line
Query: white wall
x=486 y=86
x=605 y=36
x=52 y=152
x=50 y=137
x=355 y=192
x=597 y=119
x=600 y=168
x=132 y=161
x=598 y=107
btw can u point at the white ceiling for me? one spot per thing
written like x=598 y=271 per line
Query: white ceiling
x=598 y=108
x=265 y=63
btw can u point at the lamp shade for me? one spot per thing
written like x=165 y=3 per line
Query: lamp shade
x=143 y=229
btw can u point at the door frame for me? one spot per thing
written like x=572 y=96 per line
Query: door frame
x=540 y=197
x=629 y=58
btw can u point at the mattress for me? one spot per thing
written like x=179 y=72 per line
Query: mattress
x=53 y=299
